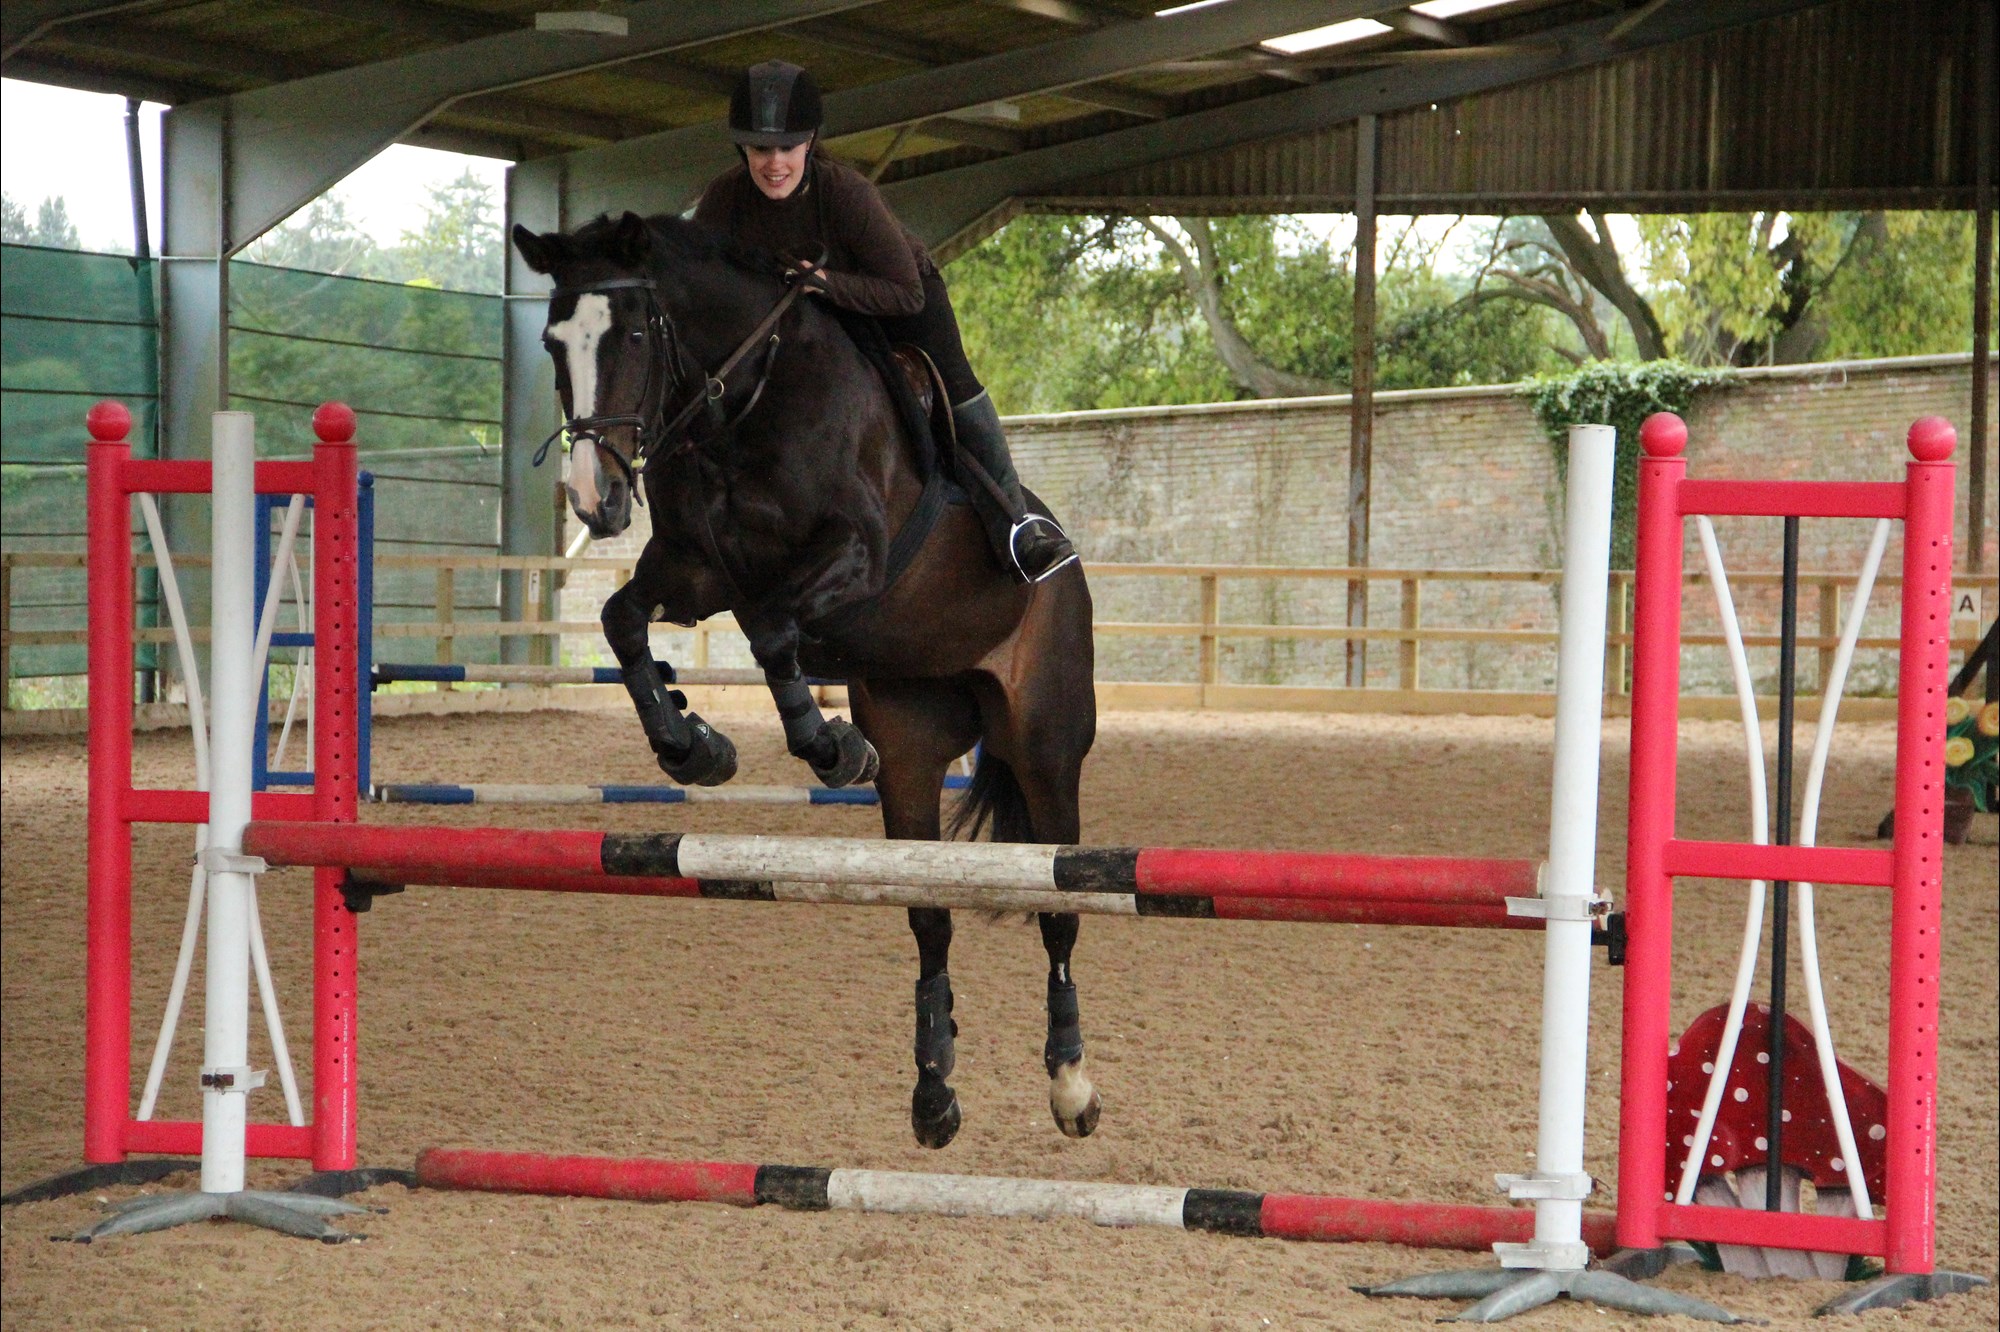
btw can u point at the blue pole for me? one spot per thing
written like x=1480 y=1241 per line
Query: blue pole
x=260 y=750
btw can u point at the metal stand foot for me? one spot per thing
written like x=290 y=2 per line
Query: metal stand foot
x=340 y=1183
x=1502 y=1293
x=300 y=1214
x=1891 y=1292
x=107 y=1176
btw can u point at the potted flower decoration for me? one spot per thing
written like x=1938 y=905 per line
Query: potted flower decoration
x=1971 y=763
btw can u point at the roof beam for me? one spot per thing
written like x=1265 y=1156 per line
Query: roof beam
x=1412 y=24
x=63 y=74
x=24 y=21
x=943 y=206
x=661 y=171
x=175 y=48
x=291 y=140
x=434 y=21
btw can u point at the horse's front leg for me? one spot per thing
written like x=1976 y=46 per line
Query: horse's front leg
x=832 y=747
x=689 y=750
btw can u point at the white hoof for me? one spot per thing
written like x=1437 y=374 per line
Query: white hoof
x=1074 y=1102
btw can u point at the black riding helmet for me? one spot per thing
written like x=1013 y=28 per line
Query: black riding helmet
x=775 y=105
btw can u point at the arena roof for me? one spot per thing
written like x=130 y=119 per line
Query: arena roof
x=970 y=110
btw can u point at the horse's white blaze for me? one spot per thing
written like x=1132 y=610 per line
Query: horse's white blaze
x=580 y=335
x=1070 y=1092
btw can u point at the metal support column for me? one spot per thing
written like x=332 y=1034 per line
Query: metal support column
x=528 y=398
x=1361 y=408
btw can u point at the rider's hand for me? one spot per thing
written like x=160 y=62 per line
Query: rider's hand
x=809 y=275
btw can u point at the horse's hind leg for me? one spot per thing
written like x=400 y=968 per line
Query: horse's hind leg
x=1072 y=1099
x=919 y=728
x=1041 y=725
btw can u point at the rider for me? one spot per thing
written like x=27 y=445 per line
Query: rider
x=794 y=202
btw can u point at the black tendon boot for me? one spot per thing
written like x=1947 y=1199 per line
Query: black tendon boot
x=1030 y=545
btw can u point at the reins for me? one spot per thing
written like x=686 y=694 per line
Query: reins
x=651 y=432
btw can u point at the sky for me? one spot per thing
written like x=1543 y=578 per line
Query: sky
x=56 y=141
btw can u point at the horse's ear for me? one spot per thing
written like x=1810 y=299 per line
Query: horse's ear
x=540 y=252
x=631 y=241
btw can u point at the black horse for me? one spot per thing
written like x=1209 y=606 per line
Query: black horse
x=786 y=486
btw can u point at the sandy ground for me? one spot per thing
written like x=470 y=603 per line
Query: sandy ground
x=1337 y=1059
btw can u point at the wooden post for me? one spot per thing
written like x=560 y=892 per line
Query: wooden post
x=447 y=607
x=1412 y=614
x=1361 y=405
x=1211 y=613
x=1618 y=656
x=1829 y=628
x=6 y=631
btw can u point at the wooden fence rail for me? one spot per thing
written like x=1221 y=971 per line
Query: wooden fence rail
x=541 y=628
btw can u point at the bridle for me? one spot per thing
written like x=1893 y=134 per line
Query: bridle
x=663 y=344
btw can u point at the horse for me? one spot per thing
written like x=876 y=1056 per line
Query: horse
x=786 y=486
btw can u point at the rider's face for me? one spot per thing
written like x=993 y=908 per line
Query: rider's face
x=777 y=171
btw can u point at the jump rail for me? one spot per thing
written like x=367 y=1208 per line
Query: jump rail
x=1223 y=885
x=1293 y=1216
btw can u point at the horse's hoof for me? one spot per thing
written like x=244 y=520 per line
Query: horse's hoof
x=934 y=1114
x=711 y=760
x=1074 y=1102
x=854 y=760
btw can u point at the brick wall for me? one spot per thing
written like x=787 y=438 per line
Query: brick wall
x=1462 y=479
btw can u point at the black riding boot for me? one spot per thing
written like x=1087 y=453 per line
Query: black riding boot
x=1031 y=545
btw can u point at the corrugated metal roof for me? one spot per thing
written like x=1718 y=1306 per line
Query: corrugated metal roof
x=1861 y=102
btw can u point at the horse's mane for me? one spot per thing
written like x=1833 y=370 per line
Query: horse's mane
x=683 y=240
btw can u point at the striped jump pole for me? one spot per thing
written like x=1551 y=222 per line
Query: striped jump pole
x=1294 y=1216
x=421 y=672
x=500 y=793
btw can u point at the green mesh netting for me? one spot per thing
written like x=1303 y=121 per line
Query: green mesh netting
x=420 y=366
x=74 y=328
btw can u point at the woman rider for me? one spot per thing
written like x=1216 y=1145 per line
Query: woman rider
x=785 y=198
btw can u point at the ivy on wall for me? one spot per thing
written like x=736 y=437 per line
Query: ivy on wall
x=1620 y=394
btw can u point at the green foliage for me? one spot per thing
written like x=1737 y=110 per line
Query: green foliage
x=1772 y=287
x=1620 y=394
x=51 y=227
x=459 y=247
x=1070 y=313
x=1908 y=293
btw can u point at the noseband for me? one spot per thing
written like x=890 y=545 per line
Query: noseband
x=663 y=343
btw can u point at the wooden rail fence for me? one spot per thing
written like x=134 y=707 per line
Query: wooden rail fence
x=537 y=634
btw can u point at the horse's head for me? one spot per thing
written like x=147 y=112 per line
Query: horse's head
x=607 y=335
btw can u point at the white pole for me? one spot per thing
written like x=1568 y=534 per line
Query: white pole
x=1559 y=1184
x=225 y=1076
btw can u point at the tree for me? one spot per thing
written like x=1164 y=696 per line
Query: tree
x=52 y=226
x=459 y=245
x=1078 y=312
x=324 y=240
x=1763 y=288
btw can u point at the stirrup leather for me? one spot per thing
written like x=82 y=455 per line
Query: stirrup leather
x=1014 y=547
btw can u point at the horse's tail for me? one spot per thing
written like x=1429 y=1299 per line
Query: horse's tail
x=992 y=804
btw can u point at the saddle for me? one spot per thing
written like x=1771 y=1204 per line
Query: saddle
x=927 y=386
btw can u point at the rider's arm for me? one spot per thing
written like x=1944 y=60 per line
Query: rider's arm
x=884 y=279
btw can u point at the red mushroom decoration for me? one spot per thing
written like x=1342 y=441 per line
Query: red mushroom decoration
x=1739 y=1144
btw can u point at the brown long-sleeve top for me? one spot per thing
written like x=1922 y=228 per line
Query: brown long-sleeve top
x=873 y=265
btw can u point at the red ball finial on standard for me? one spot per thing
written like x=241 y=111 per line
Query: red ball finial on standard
x=1932 y=439
x=334 y=423
x=108 y=422
x=1663 y=435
